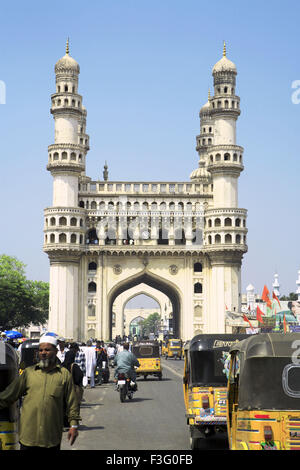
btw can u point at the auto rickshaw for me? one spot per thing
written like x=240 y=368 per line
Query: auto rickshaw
x=164 y=347
x=174 y=349
x=263 y=408
x=29 y=354
x=9 y=417
x=205 y=382
x=147 y=353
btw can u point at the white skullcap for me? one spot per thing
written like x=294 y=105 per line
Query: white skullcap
x=48 y=339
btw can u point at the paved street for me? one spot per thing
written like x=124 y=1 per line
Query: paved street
x=153 y=420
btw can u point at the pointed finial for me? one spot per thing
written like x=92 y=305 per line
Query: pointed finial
x=105 y=172
x=224 y=49
x=67 y=46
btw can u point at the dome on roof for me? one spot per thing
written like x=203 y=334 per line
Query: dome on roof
x=67 y=63
x=224 y=65
x=205 y=108
x=200 y=173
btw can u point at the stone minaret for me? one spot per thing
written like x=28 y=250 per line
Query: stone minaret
x=225 y=223
x=64 y=221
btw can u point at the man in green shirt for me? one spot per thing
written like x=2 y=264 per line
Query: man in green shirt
x=47 y=389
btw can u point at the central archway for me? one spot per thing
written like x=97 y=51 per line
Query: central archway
x=157 y=283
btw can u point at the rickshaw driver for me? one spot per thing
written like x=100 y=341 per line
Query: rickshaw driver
x=125 y=361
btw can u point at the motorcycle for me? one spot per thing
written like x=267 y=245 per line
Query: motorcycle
x=125 y=386
x=111 y=362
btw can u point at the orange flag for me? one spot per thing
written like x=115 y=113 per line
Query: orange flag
x=276 y=298
x=265 y=297
x=259 y=314
x=284 y=323
x=248 y=321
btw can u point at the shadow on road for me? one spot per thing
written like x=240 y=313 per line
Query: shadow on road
x=89 y=405
x=82 y=427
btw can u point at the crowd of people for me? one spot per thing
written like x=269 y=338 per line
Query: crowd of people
x=63 y=370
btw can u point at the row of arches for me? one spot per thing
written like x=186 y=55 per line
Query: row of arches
x=227 y=238
x=226 y=157
x=140 y=205
x=68 y=102
x=66 y=87
x=225 y=222
x=225 y=104
x=225 y=90
x=76 y=157
x=64 y=221
x=73 y=238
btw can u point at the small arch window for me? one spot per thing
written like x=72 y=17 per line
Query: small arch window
x=92 y=266
x=73 y=222
x=92 y=287
x=62 y=238
x=198 y=288
x=218 y=239
x=73 y=238
x=197 y=268
x=228 y=222
x=228 y=238
x=217 y=222
x=62 y=221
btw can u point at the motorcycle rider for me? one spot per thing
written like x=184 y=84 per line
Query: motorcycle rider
x=111 y=352
x=125 y=361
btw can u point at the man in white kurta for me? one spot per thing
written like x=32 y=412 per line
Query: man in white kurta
x=90 y=354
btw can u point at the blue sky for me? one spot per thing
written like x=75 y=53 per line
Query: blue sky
x=145 y=73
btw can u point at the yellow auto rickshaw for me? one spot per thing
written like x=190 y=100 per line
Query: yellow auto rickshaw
x=164 y=347
x=147 y=353
x=204 y=384
x=173 y=349
x=263 y=408
x=9 y=417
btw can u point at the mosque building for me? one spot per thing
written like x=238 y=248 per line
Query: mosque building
x=180 y=240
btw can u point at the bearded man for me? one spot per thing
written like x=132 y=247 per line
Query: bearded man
x=47 y=390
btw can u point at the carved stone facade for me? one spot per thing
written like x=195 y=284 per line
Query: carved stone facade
x=184 y=239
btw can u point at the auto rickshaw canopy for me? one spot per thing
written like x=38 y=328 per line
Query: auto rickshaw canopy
x=145 y=349
x=268 y=371
x=206 y=355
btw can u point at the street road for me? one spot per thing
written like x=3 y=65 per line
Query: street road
x=153 y=420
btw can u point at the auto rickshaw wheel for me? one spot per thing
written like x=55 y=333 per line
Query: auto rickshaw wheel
x=160 y=377
x=145 y=377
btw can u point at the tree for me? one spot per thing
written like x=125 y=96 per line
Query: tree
x=291 y=296
x=22 y=301
x=151 y=324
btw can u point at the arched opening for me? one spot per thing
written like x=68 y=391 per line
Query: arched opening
x=198 y=288
x=197 y=268
x=92 y=266
x=92 y=237
x=228 y=238
x=155 y=282
x=228 y=222
x=92 y=287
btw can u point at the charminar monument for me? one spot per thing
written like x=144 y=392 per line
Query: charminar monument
x=183 y=240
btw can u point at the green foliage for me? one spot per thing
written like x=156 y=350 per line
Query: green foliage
x=291 y=296
x=150 y=324
x=21 y=301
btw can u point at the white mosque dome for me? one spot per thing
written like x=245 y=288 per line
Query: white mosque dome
x=67 y=63
x=224 y=65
